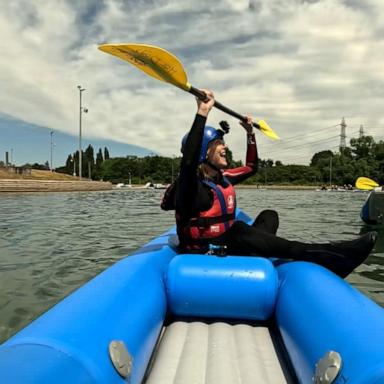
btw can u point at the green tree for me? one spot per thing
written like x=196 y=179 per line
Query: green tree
x=76 y=159
x=362 y=147
x=378 y=153
x=69 y=165
x=89 y=161
x=106 y=153
x=363 y=158
x=319 y=157
x=98 y=164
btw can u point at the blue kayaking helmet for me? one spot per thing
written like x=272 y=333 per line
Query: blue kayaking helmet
x=209 y=135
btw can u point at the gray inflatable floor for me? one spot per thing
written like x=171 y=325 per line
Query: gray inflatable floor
x=216 y=353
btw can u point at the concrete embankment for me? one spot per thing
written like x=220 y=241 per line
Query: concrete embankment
x=13 y=185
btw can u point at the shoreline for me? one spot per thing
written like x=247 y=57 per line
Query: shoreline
x=278 y=187
x=38 y=185
x=29 y=185
x=34 y=185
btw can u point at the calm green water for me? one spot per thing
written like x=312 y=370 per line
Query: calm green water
x=52 y=243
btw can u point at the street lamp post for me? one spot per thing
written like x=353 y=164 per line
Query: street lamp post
x=51 y=150
x=81 y=110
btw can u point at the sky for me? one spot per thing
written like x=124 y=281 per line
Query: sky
x=300 y=65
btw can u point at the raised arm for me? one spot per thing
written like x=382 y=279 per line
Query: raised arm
x=236 y=175
x=188 y=179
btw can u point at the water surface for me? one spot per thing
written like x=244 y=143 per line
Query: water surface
x=51 y=243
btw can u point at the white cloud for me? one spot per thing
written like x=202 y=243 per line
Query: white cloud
x=300 y=65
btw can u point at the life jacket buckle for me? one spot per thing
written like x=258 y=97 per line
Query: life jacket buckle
x=218 y=250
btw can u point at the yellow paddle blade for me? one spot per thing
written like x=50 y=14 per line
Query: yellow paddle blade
x=154 y=61
x=267 y=130
x=365 y=183
x=164 y=66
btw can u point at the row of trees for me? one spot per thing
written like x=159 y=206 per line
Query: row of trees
x=364 y=157
x=91 y=166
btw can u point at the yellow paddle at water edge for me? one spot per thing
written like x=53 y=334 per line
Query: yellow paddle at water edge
x=164 y=66
x=366 y=183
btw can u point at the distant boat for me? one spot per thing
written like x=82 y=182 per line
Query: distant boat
x=146 y=186
x=160 y=186
x=336 y=190
x=155 y=186
x=121 y=185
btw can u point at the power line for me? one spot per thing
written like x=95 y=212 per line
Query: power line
x=319 y=131
x=316 y=133
x=307 y=143
x=279 y=144
x=283 y=147
x=296 y=156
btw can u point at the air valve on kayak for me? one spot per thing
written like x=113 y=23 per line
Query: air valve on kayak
x=327 y=368
x=120 y=357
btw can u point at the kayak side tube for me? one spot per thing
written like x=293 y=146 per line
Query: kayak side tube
x=71 y=343
x=316 y=313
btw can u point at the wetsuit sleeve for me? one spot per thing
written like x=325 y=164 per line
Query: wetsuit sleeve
x=239 y=174
x=187 y=185
x=168 y=199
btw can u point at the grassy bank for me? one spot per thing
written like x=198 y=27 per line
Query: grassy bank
x=46 y=181
x=37 y=175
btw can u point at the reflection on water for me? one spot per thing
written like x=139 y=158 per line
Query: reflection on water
x=52 y=243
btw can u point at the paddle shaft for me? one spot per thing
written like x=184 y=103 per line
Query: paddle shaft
x=202 y=96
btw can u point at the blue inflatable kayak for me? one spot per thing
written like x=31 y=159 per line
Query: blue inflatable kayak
x=162 y=317
x=372 y=211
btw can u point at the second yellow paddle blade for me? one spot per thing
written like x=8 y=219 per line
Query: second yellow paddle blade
x=267 y=130
x=154 y=61
x=366 y=183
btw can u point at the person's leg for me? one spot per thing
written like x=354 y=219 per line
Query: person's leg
x=267 y=221
x=341 y=258
x=250 y=240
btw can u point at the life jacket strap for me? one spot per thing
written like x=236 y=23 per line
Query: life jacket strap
x=205 y=222
x=218 y=250
x=221 y=198
x=203 y=246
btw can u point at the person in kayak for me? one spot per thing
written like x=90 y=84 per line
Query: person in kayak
x=204 y=200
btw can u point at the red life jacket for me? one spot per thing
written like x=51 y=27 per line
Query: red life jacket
x=213 y=222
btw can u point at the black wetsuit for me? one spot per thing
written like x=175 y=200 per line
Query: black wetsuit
x=259 y=239
x=192 y=195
